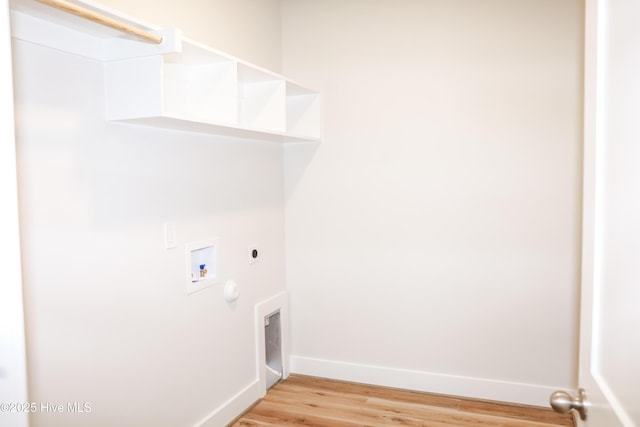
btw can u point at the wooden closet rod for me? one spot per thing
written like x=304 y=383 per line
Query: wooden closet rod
x=103 y=20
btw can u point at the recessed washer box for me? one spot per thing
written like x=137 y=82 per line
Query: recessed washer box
x=202 y=264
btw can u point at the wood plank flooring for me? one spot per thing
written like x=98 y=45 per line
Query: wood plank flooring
x=317 y=402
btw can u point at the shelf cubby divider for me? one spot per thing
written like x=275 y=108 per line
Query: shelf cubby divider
x=262 y=98
x=303 y=112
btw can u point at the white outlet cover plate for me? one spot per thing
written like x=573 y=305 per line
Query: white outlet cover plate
x=170 y=240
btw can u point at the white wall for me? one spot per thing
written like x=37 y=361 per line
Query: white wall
x=247 y=29
x=13 y=379
x=108 y=318
x=433 y=237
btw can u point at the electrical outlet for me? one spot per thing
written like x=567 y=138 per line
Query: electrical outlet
x=254 y=254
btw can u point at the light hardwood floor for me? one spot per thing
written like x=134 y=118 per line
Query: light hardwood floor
x=310 y=401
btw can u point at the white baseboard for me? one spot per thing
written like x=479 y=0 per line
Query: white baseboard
x=233 y=407
x=253 y=392
x=478 y=388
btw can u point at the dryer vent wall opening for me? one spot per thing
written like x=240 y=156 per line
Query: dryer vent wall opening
x=273 y=348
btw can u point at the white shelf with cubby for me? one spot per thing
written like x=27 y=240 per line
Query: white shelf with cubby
x=178 y=84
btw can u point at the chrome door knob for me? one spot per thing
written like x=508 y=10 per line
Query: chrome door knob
x=562 y=402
